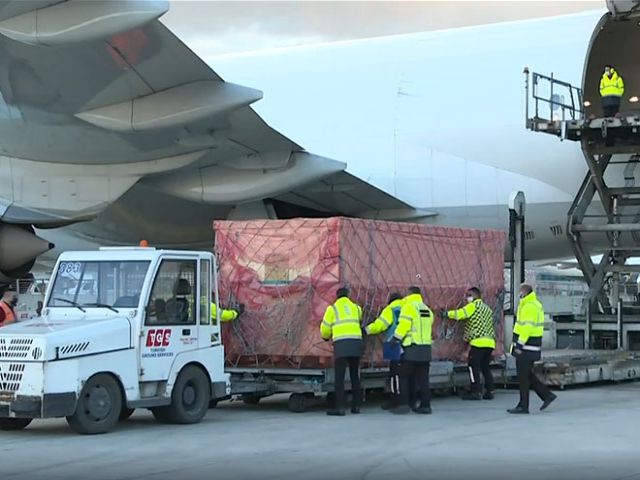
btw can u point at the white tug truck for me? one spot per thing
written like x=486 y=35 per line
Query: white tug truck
x=121 y=328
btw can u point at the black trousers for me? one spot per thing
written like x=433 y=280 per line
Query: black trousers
x=480 y=363
x=418 y=374
x=527 y=379
x=394 y=379
x=610 y=106
x=340 y=366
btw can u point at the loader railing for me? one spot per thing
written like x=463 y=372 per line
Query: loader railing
x=559 y=100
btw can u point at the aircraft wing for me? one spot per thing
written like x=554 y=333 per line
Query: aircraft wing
x=345 y=194
x=104 y=110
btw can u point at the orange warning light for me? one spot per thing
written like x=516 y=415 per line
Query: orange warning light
x=144 y=243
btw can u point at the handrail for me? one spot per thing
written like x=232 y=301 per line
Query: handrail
x=572 y=108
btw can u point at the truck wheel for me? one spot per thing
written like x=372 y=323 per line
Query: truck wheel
x=14 y=423
x=126 y=413
x=250 y=399
x=298 y=402
x=99 y=406
x=190 y=396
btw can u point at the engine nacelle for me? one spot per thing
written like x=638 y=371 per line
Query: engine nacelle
x=19 y=248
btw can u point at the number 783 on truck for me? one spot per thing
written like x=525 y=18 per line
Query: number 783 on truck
x=121 y=328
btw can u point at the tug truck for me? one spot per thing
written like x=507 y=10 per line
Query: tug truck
x=121 y=328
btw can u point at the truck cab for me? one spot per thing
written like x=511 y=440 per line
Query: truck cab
x=121 y=328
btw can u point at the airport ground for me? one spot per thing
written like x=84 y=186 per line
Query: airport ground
x=588 y=433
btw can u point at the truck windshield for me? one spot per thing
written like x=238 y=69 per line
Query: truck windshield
x=97 y=284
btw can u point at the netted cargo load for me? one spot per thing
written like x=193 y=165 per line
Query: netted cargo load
x=286 y=272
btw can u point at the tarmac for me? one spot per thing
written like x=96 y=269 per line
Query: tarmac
x=588 y=433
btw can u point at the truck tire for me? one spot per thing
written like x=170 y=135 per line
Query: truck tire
x=99 y=406
x=250 y=399
x=190 y=396
x=299 y=402
x=14 y=423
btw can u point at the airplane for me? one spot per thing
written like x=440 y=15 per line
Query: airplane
x=115 y=131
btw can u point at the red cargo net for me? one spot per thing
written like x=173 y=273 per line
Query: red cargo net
x=286 y=272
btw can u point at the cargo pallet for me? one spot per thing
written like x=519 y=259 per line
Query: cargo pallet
x=563 y=368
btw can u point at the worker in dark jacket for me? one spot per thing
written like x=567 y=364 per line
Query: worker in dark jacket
x=392 y=351
x=479 y=332
x=342 y=324
x=527 y=348
x=414 y=334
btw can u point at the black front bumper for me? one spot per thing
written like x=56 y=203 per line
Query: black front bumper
x=48 y=406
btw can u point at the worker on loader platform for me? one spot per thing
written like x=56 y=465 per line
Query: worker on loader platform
x=227 y=315
x=414 y=333
x=341 y=323
x=527 y=347
x=392 y=351
x=611 y=91
x=479 y=332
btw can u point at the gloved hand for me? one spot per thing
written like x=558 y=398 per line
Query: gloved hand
x=443 y=314
x=240 y=309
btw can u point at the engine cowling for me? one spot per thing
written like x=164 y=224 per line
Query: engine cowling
x=19 y=248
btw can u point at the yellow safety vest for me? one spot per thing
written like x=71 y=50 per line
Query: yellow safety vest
x=415 y=322
x=613 y=86
x=529 y=327
x=478 y=329
x=227 y=315
x=385 y=320
x=341 y=321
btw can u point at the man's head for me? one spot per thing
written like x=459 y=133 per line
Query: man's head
x=10 y=297
x=473 y=294
x=393 y=296
x=525 y=289
x=342 y=292
x=414 y=289
x=608 y=69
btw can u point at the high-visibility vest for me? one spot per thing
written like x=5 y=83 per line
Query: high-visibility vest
x=613 y=86
x=478 y=329
x=9 y=316
x=341 y=321
x=415 y=322
x=227 y=315
x=529 y=327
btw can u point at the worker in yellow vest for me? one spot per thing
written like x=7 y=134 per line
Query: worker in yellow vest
x=342 y=324
x=7 y=306
x=611 y=91
x=386 y=324
x=414 y=334
x=527 y=348
x=479 y=332
x=227 y=314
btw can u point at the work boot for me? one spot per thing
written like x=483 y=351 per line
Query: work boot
x=488 y=396
x=471 y=396
x=548 y=401
x=336 y=412
x=518 y=410
x=400 y=410
x=355 y=410
x=423 y=410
